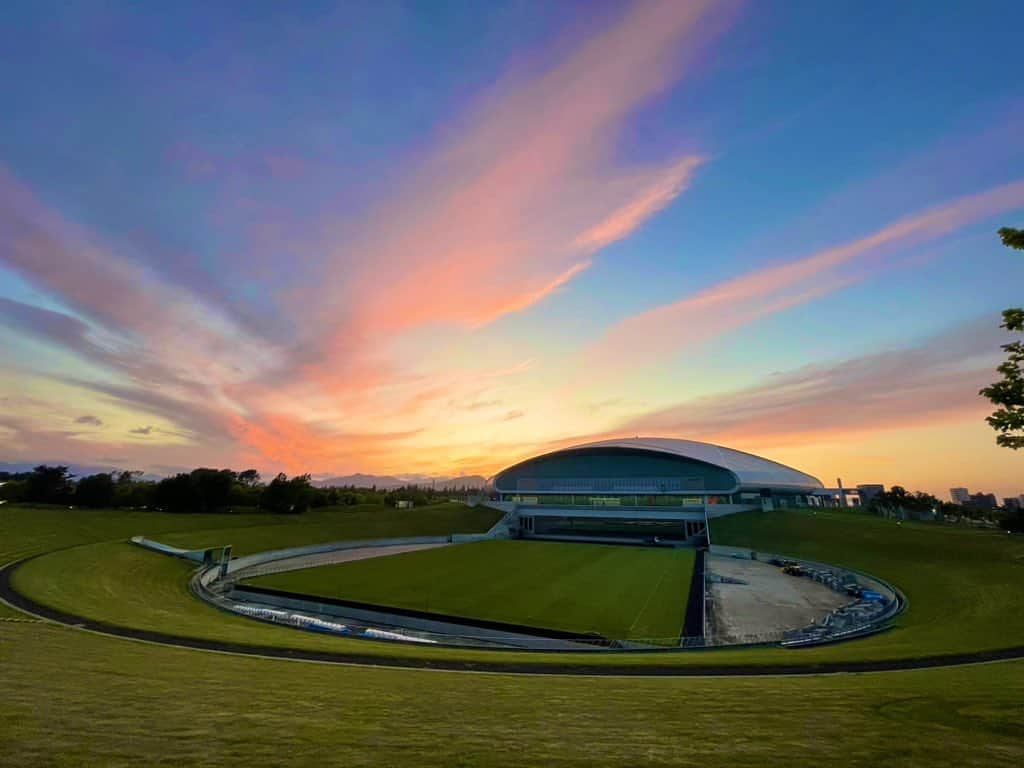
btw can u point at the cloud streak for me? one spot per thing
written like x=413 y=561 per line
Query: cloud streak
x=734 y=303
x=934 y=381
x=508 y=208
x=513 y=204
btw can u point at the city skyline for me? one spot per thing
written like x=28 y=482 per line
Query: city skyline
x=405 y=239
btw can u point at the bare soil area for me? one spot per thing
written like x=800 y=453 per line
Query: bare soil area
x=769 y=602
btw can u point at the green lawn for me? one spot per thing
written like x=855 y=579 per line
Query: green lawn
x=963 y=586
x=72 y=698
x=29 y=530
x=617 y=592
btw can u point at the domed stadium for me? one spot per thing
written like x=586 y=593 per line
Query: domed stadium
x=648 y=488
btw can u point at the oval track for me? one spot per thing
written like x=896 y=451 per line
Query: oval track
x=16 y=599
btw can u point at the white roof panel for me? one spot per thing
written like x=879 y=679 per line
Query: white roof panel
x=750 y=469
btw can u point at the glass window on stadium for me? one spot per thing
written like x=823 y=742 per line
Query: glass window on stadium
x=606 y=527
x=790 y=501
x=612 y=500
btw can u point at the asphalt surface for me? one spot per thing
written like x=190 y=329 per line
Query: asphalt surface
x=11 y=596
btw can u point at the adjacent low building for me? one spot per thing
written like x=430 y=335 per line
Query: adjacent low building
x=645 y=488
x=868 y=491
x=960 y=496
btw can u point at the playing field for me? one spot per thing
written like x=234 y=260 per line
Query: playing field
x=617 y=592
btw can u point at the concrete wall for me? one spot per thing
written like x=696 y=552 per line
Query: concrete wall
x=250 y=561
x=382 y=618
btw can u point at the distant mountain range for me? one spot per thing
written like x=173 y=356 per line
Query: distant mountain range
x=359 y=480
x=76 y=470
x=387 y=482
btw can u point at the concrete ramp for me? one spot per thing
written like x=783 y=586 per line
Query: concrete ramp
x=206 y=556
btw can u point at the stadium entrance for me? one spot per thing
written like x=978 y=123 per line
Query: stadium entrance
x=618 y=525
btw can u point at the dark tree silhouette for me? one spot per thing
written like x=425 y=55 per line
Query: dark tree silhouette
x=95 y=491
x=49 y=485
x=1008 y=392
x=284 y=496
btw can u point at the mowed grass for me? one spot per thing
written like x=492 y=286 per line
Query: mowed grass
x=26 y=531
x=72 y=698
x=963 y=588
x=617 y=592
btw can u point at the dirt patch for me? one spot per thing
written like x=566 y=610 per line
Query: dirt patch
x=768 y=603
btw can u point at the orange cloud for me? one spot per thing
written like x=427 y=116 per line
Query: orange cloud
x=510 y=206
x=507 y=210
x=518 y=195
x=530 y=298
x=935 y=381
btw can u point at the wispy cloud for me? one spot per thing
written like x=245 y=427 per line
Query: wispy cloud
x=89 y=420
x=622 y=222
x=509 y=207
x=730 y=305
x=516 y=198
x=933 y=381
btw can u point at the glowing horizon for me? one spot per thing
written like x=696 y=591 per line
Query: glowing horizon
x=387 y=245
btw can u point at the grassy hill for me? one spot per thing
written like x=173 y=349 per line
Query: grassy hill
x=75 y=698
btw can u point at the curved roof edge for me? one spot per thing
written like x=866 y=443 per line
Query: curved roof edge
x=751 y=470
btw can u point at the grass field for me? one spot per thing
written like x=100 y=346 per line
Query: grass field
x=617 y=592
x=74 y=698
x=962 y=585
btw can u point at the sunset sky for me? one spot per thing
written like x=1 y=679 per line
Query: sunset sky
x=438 y=237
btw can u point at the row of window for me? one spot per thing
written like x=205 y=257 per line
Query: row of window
x=616 y=500
x=613 y=527
x=781 y=501
x=610 y=484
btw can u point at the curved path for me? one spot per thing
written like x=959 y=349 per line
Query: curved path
x=20 y=601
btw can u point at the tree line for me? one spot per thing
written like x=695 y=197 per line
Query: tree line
x=899 y=503
x=202 y=490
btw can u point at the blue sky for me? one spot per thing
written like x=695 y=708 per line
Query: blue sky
x=440 y=236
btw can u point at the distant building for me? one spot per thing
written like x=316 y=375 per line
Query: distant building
x=984 y=501
x=403 y=504
x=868 y=492
x=960 y=496
x=835 y=497
x=1011 y=503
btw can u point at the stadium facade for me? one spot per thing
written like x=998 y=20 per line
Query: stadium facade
x=646 y=488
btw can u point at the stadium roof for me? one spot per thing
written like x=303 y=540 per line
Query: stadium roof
x=750 y=470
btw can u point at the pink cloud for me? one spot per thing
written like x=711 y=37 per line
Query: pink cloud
x=935 y=381
x=508 y=208
x=623 y=221
x=518 y=195
x=734 y=303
